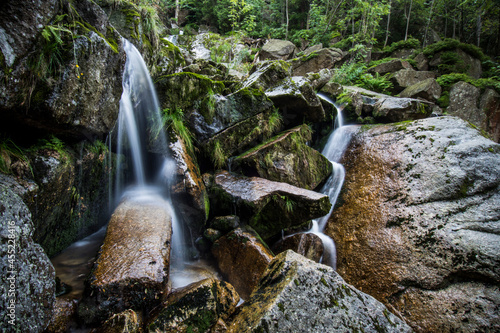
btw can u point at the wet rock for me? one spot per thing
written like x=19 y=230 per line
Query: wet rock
x=63 y=316
x=79 y=96
x=212 y=234
x=416 y=224
x=408 y=77
x=225 y=223
x=131 y=271
x=71 y=196
x=276 y=49
x=213 y=70
x=235 y=139
x=298 y=295
x=307 y=244
x=297 y=101
x=242 y=257
x=188 y=189
x=196 y=307
x=28 y=277
x=127 y=321
x=427 y=89
x=490 y=105
x=267 y=74
x=314 y=61
x=390 y=67
x=284 y=159
x=320 y=79
x=393 y=109
x=267 y=206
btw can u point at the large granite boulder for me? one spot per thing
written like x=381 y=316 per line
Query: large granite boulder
x=131 y=271
x=416 y=224
x=298 y=295
x=408 y=77
x=27 y=275
x=284 y=158
x=276 y=49
x=265 y=75
x=314 y=61
x=267 y=206
x=297 y=101
x=195 y=308
x=427 y=89
x=242 y=257
x=482 y=110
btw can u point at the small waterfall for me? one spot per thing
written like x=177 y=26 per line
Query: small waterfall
x=336 y=145
x=141 y=137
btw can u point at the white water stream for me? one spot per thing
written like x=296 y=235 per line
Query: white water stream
x=334 y=149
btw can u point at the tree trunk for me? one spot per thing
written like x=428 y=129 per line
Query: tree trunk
x=177 y=9
x=478 y=29
x=388 y=22
x=408 y=20
x=286 y=10
x=428 y=23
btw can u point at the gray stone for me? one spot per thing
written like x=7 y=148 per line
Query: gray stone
x=422 y=62
x=276 y=49
x=315 y=61
x=490 y=105
x=27 y=275
x=394 y=109
x=464 y=103
x=427 y=89
x=418 y=220
x=390 y=67
x=298 y=295
x=267 y=206
x=408 y=77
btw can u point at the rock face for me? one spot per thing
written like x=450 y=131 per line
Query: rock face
x=28 y=277
x=196 y=308
x=490 y=105
x=316 y=60
x=284 y=158
x=79 y=96
x=292 y=286
x=390 y=67
x=242 y=258
x=297 y=101
x=132 y=269
x=427 y=89
x=307 y=244
x=408 y=77
x=267 y=206
x=393 y=109
x=276 y=49
x=417 y=221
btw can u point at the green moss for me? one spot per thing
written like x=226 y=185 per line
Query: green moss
x=411 y=43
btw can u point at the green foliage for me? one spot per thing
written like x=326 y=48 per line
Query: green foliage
x=175 y=120
x=447 y=80
x=219 y=157
x=411 y=43
x=53 y=143
x=273 y=124
x=348 y=73
x=376 y=83
x=450 y=44
x=9 y=154
x=98 y=147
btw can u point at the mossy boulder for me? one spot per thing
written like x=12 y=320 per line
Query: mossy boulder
x=314 y=61
x=131 y=271
x=391 y=66
x=195 y=308
x=427 y=89
x=394 y=109
x=220 y=148
x=286 y=158
x=267 y=206
x=276 y=49
x=127 y=321
x=408 y=77
x=267 y=74
x=296 y=294
x=297 y=101
x=242 y=257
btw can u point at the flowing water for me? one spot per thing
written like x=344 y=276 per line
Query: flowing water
x=334 y=149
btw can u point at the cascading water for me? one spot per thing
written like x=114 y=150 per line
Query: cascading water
x=333 y=150
x=140 y=136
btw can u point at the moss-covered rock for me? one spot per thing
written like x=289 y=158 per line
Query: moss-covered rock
x=427 y=89
x=267 y=74
x=195 y=308
x=242 y=257
x=286 y=158
x=267 y=206
x=313 y=62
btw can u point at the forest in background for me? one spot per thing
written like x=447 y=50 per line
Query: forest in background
x=358 y=26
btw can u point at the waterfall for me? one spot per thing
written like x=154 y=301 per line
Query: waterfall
x=333 y=150
x=140 y=137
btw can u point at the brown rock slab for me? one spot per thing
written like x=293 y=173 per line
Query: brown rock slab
x=132 y=269
x=307 y=244
x=242 y=258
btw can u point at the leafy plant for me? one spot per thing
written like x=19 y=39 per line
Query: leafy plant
x=410 y=43
x=273 y=124
x=175 y=120
x=9 y=153
x=348 y=73
x=219 y=158
x=376 y=83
